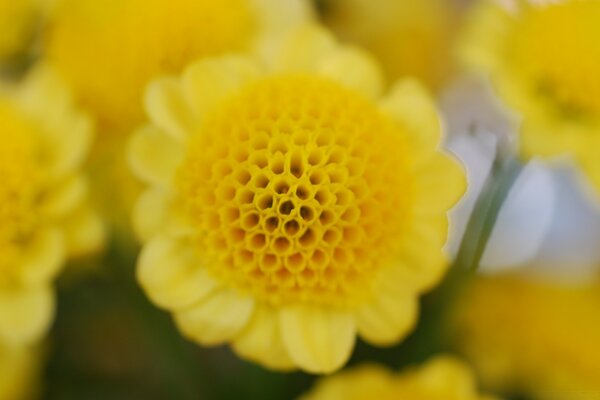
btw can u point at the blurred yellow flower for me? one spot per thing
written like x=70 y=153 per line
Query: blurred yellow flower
x=19 y=372
x=108 y=50
x=18 y=20
x=43 y=213
x=545 y=61
x=291 y=207
x=443 y=378
x=408 y=38
x=535 y=337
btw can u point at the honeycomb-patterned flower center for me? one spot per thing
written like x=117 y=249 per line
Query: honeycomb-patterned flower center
x=299 y=189
x=108 y=50
x=557 y=46
x=19 y=174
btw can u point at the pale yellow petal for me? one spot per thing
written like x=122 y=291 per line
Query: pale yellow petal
x=44 y=257
x=413 y=108
x=171 y=275
x=354 y=69
x=217 y=318
x=150 y=213
x=261 y=340
x=168 y=108
x=208 y=82
x=319 y=340
x=441 y=183
x=25 y=314
x=65 y=196
x=304 y=49
x=154 y=156
x=274 y=19
x=68 y=145
x=389 y=317
x=422 y=263
x=85 y=232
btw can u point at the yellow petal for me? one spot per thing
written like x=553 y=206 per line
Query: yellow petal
x=25 y=314
x=354 y=69
x=304 y=49
x=276 y=18
x=171 y=275
x=422 y=264
x=44 y=257
x=65 y=196
x=441 y=183
x=150 y=213
x=168 y=108
x=154 y=156
x=413 y=108
x=217 y=318
x=261 y=340
x=319 y=340
x=208 y=82
x=388 y=318
x=85 y=233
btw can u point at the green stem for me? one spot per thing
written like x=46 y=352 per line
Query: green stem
x=500 y=181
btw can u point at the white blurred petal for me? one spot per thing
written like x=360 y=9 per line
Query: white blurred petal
x=523 y=222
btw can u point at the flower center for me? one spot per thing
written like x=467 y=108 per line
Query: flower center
x=109 y=50
x=18 y=189
x=299 y=189
x=557 y=47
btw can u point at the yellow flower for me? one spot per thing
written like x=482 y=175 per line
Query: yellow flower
x=537 y=337
x=545 y=61
x=443 y=378
x=43 y=214
x=19 y=372
x=291 y=207
x=108 y=50
x=18 y=20
x=412 y=38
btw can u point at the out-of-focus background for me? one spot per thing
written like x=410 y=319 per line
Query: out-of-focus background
x=109 y=342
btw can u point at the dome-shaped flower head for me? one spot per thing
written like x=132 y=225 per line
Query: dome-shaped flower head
x=108 y=51
x=544 y=60
x=443 y=378
x=291 y=207
x=408 y=38
x=553 y=353
x=44 y=217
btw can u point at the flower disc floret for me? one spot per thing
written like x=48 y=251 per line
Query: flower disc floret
x=289 y=187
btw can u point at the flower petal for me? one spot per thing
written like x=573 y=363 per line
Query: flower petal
x=44 y=257
x=84 y=231
x=26 y=314
x=441 y=183
x=319 y=340
x=208 y=82
x=354 y=69
x=304 y=49
x=171 y=275
x=389 y=317
x=261 y=340
x=412 y=107
x=65 y=196
x=168 y=108
x=150 y=213
x=154 y=157
x=217 y=318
